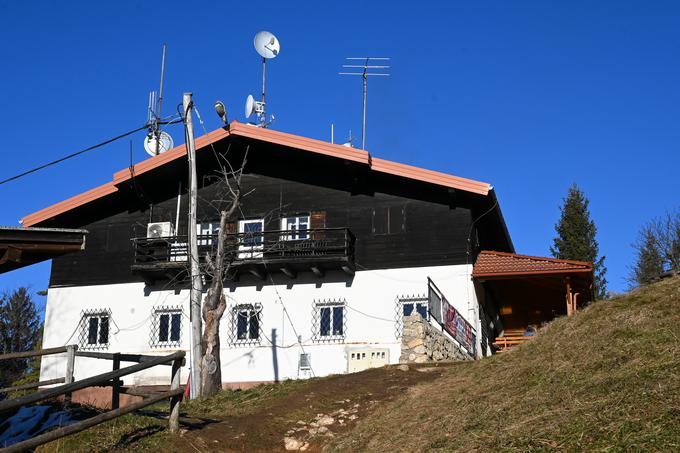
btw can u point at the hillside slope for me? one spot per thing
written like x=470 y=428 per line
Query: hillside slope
x=606 y=379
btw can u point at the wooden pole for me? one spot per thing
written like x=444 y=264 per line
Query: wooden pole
x=115 y=388
x=70 y=369
x=569 y=301
x=196 y=284
x=31 y=385
x=85 y=424
x=173 y=422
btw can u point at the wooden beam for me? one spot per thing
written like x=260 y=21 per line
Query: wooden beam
x=349 y=270
x=257 y=273
x=31 y=385
x=567 y=281
x=12 y=254
x=318 y=271
x=289 y=271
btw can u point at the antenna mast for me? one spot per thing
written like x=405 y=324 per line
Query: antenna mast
x=364 y=73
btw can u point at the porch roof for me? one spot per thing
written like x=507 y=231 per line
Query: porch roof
x=501 y=265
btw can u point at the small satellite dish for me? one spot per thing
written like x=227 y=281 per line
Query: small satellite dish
x=266 y=45
x=164 y=144
x=250 y=106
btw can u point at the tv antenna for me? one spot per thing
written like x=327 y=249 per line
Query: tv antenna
x=268 y=46
x=363 y=70
x=157 y=141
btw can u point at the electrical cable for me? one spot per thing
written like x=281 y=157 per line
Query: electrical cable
x=77 y=153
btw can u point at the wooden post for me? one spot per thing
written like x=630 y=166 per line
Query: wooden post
x=115 y=388
x=196 y=284
x=70 y=365
x=173 y=420
x=569 y=301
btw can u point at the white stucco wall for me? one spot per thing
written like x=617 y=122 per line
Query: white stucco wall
x=370 y=321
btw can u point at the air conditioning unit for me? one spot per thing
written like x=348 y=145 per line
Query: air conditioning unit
x=159 y=230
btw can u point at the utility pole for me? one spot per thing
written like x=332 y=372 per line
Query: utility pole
x=196 y=283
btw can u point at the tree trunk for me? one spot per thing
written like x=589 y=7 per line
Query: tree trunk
x=213 y=308
x=211 y=372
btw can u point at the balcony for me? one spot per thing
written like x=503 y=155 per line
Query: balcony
x=255 y=253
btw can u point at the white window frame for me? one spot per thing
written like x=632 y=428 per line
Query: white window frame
x=317 y=328
x=250 y=251
x=287 y=225
x=252 y=311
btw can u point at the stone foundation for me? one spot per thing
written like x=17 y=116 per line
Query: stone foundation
x=422 y=343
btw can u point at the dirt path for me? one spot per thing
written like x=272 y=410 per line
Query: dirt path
x=308 y=417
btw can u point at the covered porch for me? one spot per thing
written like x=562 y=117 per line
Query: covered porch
x=530 y=291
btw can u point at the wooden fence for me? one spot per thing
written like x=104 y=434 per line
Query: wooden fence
x=111 y=378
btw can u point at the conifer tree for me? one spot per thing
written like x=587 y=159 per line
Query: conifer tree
x=19 y=331
x=576 y=237
x=649 y=262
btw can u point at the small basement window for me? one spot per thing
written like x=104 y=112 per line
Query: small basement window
x=94 y=329
x=166 y=327
x=407 y=306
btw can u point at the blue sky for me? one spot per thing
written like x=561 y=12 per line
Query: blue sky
x=529 y=96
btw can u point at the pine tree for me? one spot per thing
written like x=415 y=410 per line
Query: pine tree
x=19 y=331
x=576 y=237
x=650 y=260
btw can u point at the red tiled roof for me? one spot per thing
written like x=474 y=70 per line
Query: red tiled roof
x=501 y=264
x=267 y=135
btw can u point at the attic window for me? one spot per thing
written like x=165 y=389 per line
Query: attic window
x=94 y=329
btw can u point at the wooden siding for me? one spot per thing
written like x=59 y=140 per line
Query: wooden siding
x=392 y=231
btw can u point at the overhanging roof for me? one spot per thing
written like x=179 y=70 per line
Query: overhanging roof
x=492 y=264
x=237 y=129
x=21 y=247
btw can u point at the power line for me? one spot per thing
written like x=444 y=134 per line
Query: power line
x=77 y=153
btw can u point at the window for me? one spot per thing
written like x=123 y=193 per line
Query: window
x=246 y=320
x=298 y=226
x=94 y=329
x=406 y=306
x=250 y=238
x=207 y=232
x=166 y=327
x=329 y=321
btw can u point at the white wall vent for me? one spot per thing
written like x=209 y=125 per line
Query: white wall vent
x=159 y=230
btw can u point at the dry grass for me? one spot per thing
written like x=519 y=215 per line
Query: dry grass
x=606 y=380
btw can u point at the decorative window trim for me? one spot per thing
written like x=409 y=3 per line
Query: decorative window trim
x=318 y=313
x=248 y=340
x=85 y=329
x=399 y=302
x=154 y=334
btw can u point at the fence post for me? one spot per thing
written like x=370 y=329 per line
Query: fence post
x=173 y=420
x=115 y=392
x=70 y=365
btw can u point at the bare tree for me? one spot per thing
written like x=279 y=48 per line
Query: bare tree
x=218 y=268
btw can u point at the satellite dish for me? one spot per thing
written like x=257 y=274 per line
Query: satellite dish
x=250 y=105
x=165 y=143
x=266 y=44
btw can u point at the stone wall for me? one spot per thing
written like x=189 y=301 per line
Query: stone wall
x=421 y=343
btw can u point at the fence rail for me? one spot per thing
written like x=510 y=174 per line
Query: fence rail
x=111 y=378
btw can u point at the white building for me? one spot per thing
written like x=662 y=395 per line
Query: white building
x=331 y=247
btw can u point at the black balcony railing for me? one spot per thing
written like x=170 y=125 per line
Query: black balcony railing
x=295 y=248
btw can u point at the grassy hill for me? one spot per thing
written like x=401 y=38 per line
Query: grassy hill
x=607 y=379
